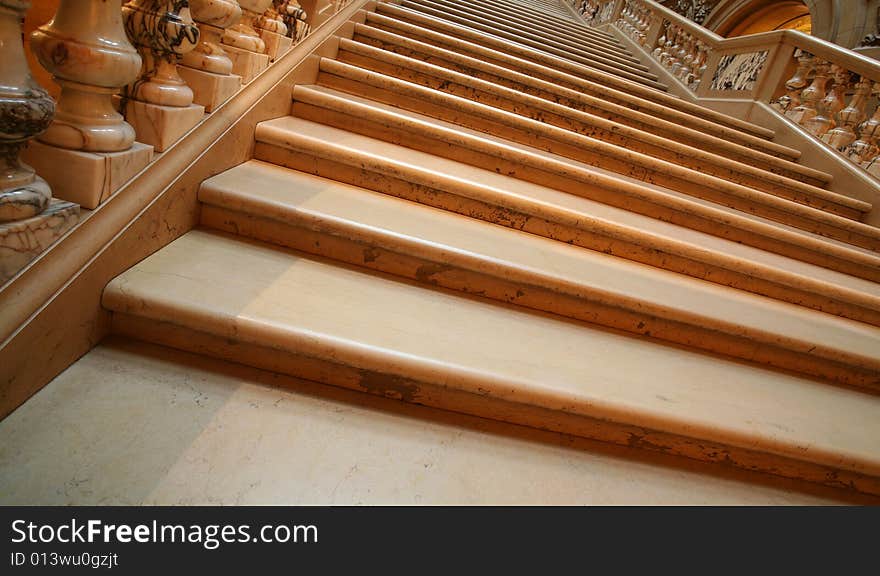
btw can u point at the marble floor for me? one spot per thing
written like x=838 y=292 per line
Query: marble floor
x=137 y=424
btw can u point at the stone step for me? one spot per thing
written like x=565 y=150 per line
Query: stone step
x=481 y=149
x=600 y=143
x=559 y=21
x=374 y=230
x=293 y=313
x=570 y=75
x=467 y=28
x=571 y=39
x=723 y=253
x=559 y=106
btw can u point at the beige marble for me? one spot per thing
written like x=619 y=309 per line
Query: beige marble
x=243 y=35
x=210 y=90
x=510 y=201
x=247 y=64
x=162 y=126
x=131 y=424
x=276 y=44
x=213 y=17
x=87 y=178
x=24 y=240
x=97 y=61
x=390 y=337
x=277 y=205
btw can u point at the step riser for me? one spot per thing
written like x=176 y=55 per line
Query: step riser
x=581 y=66
x=556 y=175
x=330 y=364
x=568 y=50
x=369 y=55
x=572 y=42
x=345 y=242
x=569 y=144
x=431 y=190
x=462 y=58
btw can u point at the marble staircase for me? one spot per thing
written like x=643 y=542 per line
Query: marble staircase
x=513 y=218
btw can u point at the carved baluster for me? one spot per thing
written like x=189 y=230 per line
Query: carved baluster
x=26 y=110
x=646 y=25
x=89 y=150
x=793 y=86
x=295 y=18
x=828 y=107
x=811 y=96
x=244 y=44
x=159 y=104
x=849 y=117
x=670 y=46
x=273 y=30
x=661 y=42
x=207 y=69
x=688 y=59
x=865 y=149
x=699 y=66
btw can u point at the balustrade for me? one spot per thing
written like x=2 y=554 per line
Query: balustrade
x=245 y=46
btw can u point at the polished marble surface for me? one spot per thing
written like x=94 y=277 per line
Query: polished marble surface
x=137 y=424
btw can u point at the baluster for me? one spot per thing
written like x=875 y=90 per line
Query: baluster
x=688 y=59
x=295 y=18
x=243 y=43
x=207 y=69
x=661 y=42
x=849 y=117
x=793 y=86
x=273 y=30
x=828 y=107
x=26 y=110
x=864 y=150
x=89 y=150
x=159 y=104
x=811 y=96
x=699 y=66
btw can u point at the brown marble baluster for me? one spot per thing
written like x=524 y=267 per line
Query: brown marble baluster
x=295 y=18
x=244 y=44
x=89 y=151
x=26 y=110
x=273 y=30
x=159 y=104
x=864 y=151
x=208 y=69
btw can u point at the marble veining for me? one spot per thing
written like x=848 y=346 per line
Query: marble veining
x=24 y=240
x=739 y=71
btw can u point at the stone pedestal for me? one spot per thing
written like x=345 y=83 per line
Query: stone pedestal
x=161 y=126
x=23 y=240
x=245 y=63
x=86 y=178
x=276 y=44
x=210 y=90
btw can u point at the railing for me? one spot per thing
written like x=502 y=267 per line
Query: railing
x=831 y=92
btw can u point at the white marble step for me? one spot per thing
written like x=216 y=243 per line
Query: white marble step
x=438 y=247
x=568 y=74
x=490 y=32
x=293 y=313
x=571 y=38
x=501 y=199
x=632 y=190
x=594 y=141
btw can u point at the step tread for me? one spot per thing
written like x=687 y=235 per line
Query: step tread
x=443 y=102
x=273 y=192
x=276 y=298
x=512 y=52
x=630 y=105
x=280 y=130
x=474 y=139
x=390 y=58
x=561 y=49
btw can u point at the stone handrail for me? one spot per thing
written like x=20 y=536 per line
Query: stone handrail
x=830 y=92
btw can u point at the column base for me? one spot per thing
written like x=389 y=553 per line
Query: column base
x=24 y=240
x=210 y=90
x=276 y=44
x=161 y=126
x=245 y=63
x=86 y=178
